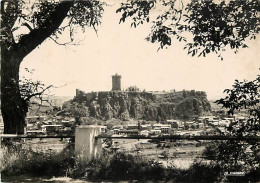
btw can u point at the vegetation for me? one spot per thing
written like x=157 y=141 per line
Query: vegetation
x=33 y=92
x=109 y=166
x=213 y=27
x=19 y=159
x=43 y=20
x=206 y=26
x=133 y=89
x=144 y=105
x=240 y=155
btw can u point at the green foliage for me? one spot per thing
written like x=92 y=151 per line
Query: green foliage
x=213 y=25
x=201 y=172
x=188 y=107
x=37 y=15
x=133 y=89
x=30 y=89
x=240 y=155
x=19 y=159
x=124 y=166
x=121 y=166
x=41 y=20
x=244 y=96
x=78 y=111
x=144 y=105
x=139 y=10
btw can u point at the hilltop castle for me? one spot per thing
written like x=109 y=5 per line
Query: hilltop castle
x=116 y=86
x=116 y=82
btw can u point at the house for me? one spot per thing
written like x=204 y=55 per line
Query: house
x=67 y=123
x=103 y=129
x=146 y=127
x=50 y=129
x=144 y=132
x=165 y=129
x=174 y=123
x=224 y=123
x=34 y=119
x=132 y=126
x=201 y=125
x=155 y=132
x=162 y=127
x=35 y=132
x=129 y=132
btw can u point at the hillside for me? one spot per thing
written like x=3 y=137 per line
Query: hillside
x=49 y=103
x=144 y=105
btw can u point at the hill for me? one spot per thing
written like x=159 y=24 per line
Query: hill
x=144 y=105
x=50 y=102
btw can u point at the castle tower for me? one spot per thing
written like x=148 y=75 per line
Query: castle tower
x=116 y=82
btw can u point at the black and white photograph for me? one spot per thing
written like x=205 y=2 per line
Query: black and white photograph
x=130 y=91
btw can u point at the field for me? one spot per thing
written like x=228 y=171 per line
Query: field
x=180 y=154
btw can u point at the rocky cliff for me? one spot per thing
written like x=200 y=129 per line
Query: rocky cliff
x=144 y=105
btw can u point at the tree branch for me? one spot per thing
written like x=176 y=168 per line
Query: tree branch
x=30 y=41
x=37 y=94
x=63 y=44
x=28 y=26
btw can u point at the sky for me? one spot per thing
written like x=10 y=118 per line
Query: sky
x=118 y=48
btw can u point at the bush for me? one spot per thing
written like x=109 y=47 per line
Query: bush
x=201 y=172
x=124 y=166
x=19 y=160
x=120 y=166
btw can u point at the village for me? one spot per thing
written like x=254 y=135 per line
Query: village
x=52 y=124
x=202 y=125
x=179 y=153
x=130 y=91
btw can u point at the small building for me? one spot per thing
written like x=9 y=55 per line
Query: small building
x=34 y=119
x=230 y=119
x=144 y=132
x=116 y=131
x=67 y=123
x=35 y=132
x=201 y=125
x=174 y=123
x=103 y=129
x=155 y=132
x=132 y=127
x=157 y=125
x=162 y=127
x=224 y=123
x=129 y=132
x=49 y=129
x=165 y=129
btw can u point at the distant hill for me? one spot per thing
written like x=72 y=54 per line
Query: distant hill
x=214 y=106
x=144 y=105
x=53 y=101
x=56 y=101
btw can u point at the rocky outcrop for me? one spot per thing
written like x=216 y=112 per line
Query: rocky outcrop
x=144 y=105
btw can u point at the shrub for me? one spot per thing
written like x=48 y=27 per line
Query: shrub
x=120 y=166
x=18 y=159
x=201 y=172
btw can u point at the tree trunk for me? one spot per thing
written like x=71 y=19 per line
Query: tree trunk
x=12 y=105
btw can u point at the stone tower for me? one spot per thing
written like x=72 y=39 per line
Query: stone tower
x=116 y=82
